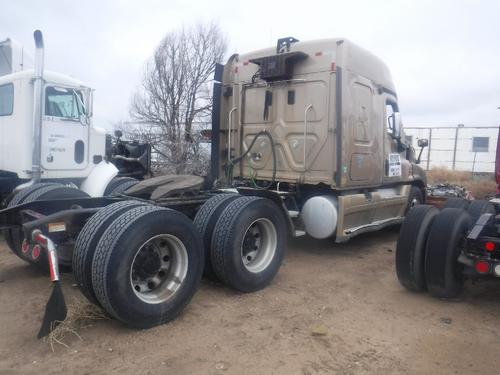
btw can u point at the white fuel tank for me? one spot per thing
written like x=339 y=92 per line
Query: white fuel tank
x=320 y=216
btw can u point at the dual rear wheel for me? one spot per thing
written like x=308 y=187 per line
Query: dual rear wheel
x=139 y=262
x=142 y=264
x=430 y=242
x=15 y=236
x=244 y=240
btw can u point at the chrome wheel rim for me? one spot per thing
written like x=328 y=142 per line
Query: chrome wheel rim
x=259 y=245
x=159 y=268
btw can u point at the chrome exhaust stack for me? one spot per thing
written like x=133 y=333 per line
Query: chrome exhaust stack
x=36 y=147
x=36 y=169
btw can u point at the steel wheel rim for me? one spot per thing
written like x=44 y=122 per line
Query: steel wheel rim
x=158 y=269
x=259 y=245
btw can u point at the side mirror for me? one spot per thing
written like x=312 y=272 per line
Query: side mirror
x=423 y=143
x=118 y=133
x=89 y=101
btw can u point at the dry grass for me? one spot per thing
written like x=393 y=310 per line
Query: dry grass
x=81 y=315
x=481 y=185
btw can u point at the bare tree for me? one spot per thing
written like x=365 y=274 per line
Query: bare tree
x=174 y=97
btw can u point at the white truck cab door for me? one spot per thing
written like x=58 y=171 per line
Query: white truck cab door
x=65 y=131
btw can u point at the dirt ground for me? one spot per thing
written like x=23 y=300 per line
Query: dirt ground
x=331 y=309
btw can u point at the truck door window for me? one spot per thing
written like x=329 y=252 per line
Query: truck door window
x=6 y=99
x=389 y=117
x=62 y=102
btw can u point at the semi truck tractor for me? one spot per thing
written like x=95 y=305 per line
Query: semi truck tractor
x=47 y=135
x=307 y=139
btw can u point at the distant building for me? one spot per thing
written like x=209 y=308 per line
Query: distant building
x=462 y=148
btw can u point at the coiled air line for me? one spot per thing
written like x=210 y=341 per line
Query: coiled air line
x=232 y=162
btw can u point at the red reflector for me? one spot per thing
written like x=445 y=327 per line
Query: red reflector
x=318 y=53
x=236 y=70
x=35 y=253
x=25 y=247
x=489 y=246
x=482 y=267
x=245 y=63
x=332 y=67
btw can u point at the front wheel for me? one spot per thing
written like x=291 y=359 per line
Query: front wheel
x=416 y=198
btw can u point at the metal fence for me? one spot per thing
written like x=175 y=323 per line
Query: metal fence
x=462 y=148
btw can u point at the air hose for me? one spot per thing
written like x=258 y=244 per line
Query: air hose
x=233 y=162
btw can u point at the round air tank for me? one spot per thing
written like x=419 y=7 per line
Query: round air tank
x=320 y=215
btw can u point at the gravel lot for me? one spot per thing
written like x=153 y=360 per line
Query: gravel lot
x=331 y=309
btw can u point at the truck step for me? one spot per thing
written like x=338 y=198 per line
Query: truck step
x=299 y=233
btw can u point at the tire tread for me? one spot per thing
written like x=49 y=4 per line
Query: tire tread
x=95 y=226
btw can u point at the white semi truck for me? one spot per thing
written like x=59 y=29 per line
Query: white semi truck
x=47 y=135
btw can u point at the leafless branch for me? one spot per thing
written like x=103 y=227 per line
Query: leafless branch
x=174 y=97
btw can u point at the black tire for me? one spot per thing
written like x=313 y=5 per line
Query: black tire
x=415 y=198
x=115 y=182
x=13 y=236
x=122 y=188
x=479 y=207
x=115 y=256
x=410 y=248
x=56 y=191
x=456 y=203
x=21 y=195
x=87 y=241
x=443 y=273
x=241 y=215
x=205 y=221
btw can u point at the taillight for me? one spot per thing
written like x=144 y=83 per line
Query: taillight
x=482 y=266
x=25 y=247
x=35 y=253
x=489 y=246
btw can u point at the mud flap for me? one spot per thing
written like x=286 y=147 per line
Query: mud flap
x=55 y=310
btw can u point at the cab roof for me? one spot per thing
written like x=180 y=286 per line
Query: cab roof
x=49 y=76
x=321 y=54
